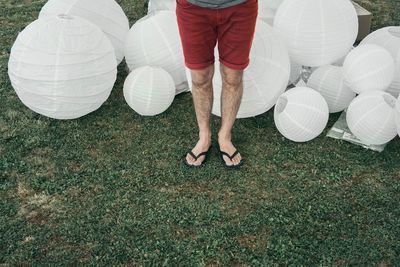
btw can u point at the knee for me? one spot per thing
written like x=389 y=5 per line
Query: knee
x=202 y=79
x=231 y=79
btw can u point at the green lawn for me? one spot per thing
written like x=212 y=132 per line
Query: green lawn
x=107 y=189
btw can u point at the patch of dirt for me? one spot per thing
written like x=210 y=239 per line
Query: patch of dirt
x=259 y=241
x=35 y=207
x=247 y=241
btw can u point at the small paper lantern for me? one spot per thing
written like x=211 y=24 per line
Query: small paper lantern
x=263 y=80
x=368 y=67
x=371 y=117
x=154 y=41
x=106 y=14
x=63 y=67
x=149 y=90
x=329 y=82
x=156 y=5
x=317 y=32
x=267 y=10
x=301 y=114
x=389 y=38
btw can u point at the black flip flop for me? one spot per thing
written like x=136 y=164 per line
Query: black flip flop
x=187 y=164
x=231 y=157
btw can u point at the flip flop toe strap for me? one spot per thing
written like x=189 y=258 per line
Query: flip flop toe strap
x=193 y=155
x=231 y=157
x=198 y=156
x=234 y=155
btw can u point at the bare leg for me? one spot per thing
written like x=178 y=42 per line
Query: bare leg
x=232 y=91
x=202 y=91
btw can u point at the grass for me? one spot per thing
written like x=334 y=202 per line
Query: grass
x=107 y=189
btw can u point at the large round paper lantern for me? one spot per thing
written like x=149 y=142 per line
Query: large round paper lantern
x=389 y=38
x=329 y=82
x=154 y=40
x=264 y=79
x=149 y=90
x=62 y=67
x=301 y=114
x=317 y=32
x=371 y=117
x=106 y=14
x=156 y=5
x=368 y=67
x=267 y=10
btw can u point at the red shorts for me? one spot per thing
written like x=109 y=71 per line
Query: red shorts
x=201 y=28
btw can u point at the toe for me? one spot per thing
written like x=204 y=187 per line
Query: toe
x=228 y=161
x=189 y=160
x=237 y=159
x=193 y=162
x=200 y=161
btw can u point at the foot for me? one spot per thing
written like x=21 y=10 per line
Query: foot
x=227 y=147
x=200 y=147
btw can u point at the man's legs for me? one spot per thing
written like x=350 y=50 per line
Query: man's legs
x=231 y=96
x=202 y=91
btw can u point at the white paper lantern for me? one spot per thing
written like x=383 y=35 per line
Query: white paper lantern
x=263 y=80
x=154 y=41
x=368 y=67
x=329 y=82
x=389 y=38
x=156 y=5
x=106 y=14
x=63 y=67
x=371 y=117
x=301 y=114
x=267 y=10
x=149 y=90
x=317 y=32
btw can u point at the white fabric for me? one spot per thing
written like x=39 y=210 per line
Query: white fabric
x=149 y=90
x=371 y=117
x=264 y=79
x=156 y=5
x=329 y=82
x=106 y=14
x=317 y=32
x=63 y=67
x=368 y=67
x=389 y=38
x=154 y=41
x=301 y=114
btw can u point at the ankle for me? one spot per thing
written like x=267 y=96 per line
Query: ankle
x=224 y=137
x=205 y=137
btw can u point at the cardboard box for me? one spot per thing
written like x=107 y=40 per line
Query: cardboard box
x=364 y=21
